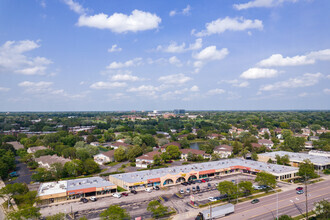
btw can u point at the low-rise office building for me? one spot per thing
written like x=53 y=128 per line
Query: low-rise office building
x=175 y=175
x=60 y=191
x=319 y=153
x=319 y=162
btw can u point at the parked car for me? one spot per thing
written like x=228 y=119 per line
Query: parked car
x=209 y=185
x=116 y=195
x=300 y=192
x=207 y=179
x=133 y=191
x=264 y=186
x=148 y=190
x=216 y=184
x=93 y=199
x=198 y=181
x=203 y=181
x=194 y=189
x=197 y=188
x=299 y=188
x=156 y=188
x=192 y=182
x=255 y=201
x=84 y=200
x=124 y=194
x=256 y=187
x=184 y=183
x=188 y=190
x=13 y=174
x=212 y=199
x=233 y=181
x=181 y=191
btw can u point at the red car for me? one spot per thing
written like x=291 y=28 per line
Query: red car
x=203 y=180
x=299 y=188
x=124 y=194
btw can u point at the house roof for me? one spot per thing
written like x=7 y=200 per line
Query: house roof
x=120 y=144
x=256 y=145
x=17 y=145
x=193 y=151
x=52 y=159
x=223 y=147
x=35 y=149
x=109 y=153
x=265 y=141
x=148 y=156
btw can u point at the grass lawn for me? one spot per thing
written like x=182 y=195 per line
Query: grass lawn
x=111 y=164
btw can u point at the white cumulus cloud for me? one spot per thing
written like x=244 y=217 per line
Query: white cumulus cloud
x=129 y=63
x=174 y=61
x=75 y=6
x=309 y=58
x=308 y=79
x=216 y=91
x=326 y=91
x=107 y=85
x=259 y=73
x=121 y=23
x=124 y=77
x=114 y=48
x=14 y=60
x=211 y=53
x=174 y=47
x=230 y=24
x=175 y=79
x=185 y=11
x=4 y=89
x=261 y=4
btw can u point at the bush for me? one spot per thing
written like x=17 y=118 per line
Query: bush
x=133 y=164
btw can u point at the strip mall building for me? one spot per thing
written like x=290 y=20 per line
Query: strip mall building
x=175 y=175
x=54 y=192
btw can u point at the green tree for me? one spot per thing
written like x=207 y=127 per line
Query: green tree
x=25 y=213
x=254 y=156
x=42 y=175
x=285 y=217
x=245 y=187
x=137 y=141
x=57 y=170
x=58 y=216
x=120 y=154
x=165 y=157
x=90 y=166
x=264 y=178
x=134 y=152
x=157 y=160
x=114 y=212
x=173 y=151
x=157 y=209
x=322 y=209
x=294 y=144
x=74 y=168
x=306 y=170
x=229 y=188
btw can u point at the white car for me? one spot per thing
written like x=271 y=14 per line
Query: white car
x=181 y=191
x=93 y=199
x=148 y=190
x=116 y=195
x=257 y=187
x=212 y=199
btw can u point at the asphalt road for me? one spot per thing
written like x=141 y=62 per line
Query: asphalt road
x=289 y=203
x=23 y=171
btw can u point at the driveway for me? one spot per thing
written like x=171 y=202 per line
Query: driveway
x=23 y=171
x=111 y=169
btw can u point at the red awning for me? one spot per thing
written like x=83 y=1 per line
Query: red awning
x=154 y=180
x=240 y=167
x=206 y=172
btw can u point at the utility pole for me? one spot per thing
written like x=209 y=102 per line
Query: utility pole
x=306 y=196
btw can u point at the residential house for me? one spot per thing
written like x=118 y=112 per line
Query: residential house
x=214 y=136
x=278 y=130
x=105 y=157
x=185 y=152
x=47 y=160
x=96 y=144
x=182 y=136
x=224 y=151
x=256 y=145
x=116 y=145
x=314 y=138
x=263 y=131
x=32 y=150
x=146 y=159
x=309 y=145
x=268 y=143
x=17 y=145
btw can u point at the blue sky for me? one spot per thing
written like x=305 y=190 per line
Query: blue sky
x=79 y=55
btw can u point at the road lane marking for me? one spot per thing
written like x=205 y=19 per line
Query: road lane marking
x=297 y=199
x=282 y=207
x=291 y=201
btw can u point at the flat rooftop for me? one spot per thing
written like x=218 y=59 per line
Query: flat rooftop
x=52 y=188
x=88 y=183
x=220 y=164
x=68 y=185
x=300 y=157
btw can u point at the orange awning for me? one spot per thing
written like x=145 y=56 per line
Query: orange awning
x=206 y=172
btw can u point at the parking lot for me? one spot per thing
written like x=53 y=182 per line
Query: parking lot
x=136 y=204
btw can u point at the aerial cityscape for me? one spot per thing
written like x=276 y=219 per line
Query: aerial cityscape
x=197 y=110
